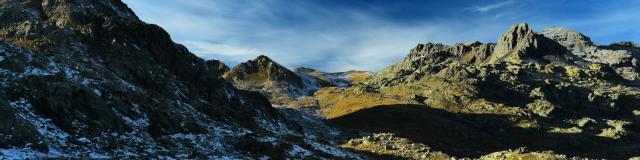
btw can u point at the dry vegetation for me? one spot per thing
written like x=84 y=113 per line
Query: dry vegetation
x=356 y=77
x=335 y=102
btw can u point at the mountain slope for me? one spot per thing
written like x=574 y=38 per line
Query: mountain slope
x=87 y=78
x=533 y=90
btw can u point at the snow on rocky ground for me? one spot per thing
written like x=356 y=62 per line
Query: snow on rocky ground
x=315 y=129
x=138 y=143
x=216 y=140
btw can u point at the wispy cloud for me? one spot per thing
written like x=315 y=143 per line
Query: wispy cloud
x=207 y=48
x=325 y=38
x=338 y=38
x=491 y=7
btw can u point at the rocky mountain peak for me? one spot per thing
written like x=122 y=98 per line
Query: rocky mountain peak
x=517 y=32
x=264 y=75
x=263 y=58
x=280 y=84
x=512 y=43
x=521 y=43
x=261 y=69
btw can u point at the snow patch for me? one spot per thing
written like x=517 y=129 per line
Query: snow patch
x=19 y=154
x=137 y=124
x=201 y=142
x=277 y=128
x=44 y=126
x=84 y=140
x=297 y=151
x=94 y=155
x=331 y=150
x=97 y=92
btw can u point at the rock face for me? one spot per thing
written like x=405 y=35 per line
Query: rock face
x=580 y=45
x=521 y=43
x=556 y=87
x=623 y=56
x=423 y=57
x=87 y=78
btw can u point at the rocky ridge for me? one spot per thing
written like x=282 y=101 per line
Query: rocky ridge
x=541 y=86
x=89 y=79
x=623 y=56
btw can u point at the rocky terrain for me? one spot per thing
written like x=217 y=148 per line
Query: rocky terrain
x=88 y=79
x=554 y=90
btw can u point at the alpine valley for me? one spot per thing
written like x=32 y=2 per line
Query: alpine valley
x=87 y=79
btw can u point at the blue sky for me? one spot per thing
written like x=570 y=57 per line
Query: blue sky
x=340 y=35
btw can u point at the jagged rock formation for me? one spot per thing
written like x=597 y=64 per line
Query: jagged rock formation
x=623 y=56
x=88 y=79
x=544 y=87
x=427 y=55
x=521 y=43
x=518 y=45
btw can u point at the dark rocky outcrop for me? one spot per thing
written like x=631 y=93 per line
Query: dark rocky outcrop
x=87 y=78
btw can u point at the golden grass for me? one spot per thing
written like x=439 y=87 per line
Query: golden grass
x=336 y=102
x=358 y=77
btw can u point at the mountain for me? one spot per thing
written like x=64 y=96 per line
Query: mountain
x=282 y=85
x=338 y=79
x=89 y=79
x=553 y=90
x=263 y=74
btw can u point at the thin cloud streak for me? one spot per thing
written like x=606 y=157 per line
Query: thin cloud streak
x=491 y=7
x=305 y=34
x=331 y=40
